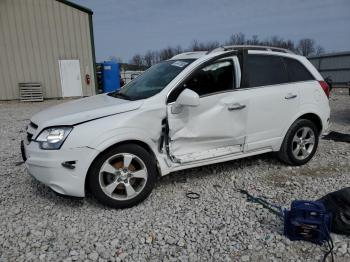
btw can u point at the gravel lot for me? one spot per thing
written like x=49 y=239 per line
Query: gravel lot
x=37 y=225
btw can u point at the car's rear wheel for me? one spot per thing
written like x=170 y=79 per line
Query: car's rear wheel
x=300 y=143
x=123 y=176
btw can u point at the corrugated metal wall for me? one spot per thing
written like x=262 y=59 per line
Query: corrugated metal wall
x=336 y=66
x=34 y=35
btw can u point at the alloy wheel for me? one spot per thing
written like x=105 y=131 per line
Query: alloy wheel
x=303 y=143
x=123 y=176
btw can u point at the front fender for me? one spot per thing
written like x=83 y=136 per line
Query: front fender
x=113 y=137
x=121 y=135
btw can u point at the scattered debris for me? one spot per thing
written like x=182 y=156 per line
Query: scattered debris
x=192 y=195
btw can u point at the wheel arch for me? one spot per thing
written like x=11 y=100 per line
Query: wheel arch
x=315 y=119
x=140 y=143
x=309 y=115
x=285 y=153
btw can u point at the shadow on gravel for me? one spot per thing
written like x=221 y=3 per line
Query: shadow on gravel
x=203 y=172
x=337 y=137
x=218 y=169
x=46 y=193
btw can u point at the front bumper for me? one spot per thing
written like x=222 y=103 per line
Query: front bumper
x=46 y=167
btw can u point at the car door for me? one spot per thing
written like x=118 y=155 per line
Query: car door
x=273 y=101
x=215 y=127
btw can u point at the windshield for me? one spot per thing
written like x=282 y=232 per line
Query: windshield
x=153 y=80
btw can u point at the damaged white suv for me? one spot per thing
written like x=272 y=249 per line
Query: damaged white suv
x=195 y=109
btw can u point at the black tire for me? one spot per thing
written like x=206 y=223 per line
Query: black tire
x=286 y=151
x=94 y=176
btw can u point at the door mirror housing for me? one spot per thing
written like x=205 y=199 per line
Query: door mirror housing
x=186 y=98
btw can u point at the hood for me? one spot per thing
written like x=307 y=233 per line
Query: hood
x=85 y=109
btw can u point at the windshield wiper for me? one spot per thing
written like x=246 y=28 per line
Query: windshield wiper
x=121 y=95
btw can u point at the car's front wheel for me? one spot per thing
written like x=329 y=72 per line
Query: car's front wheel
x=122 y=176
x=300 y=143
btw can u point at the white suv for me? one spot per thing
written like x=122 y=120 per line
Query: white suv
x=195 y=109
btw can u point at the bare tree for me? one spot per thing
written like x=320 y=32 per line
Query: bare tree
x=282 y=43
x=136 y=60
x=156 y=57
x=276 y=41
x=289 y=44
x=148 y=58
x=178 y=49
x=253 y=41
x=208 y=46
x=166 y=53
x=319 y=50
x=236 y=39
x=195 y=46
x=306 y=46
x=211 y=45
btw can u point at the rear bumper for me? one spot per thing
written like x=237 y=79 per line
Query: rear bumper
x=46 y=167
x=326 y=128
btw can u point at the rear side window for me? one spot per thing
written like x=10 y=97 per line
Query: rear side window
x=266 y=70
x=296 y=71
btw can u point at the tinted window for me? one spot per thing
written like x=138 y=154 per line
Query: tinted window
x=296 y=71
x=266 y=70
x=213 y=78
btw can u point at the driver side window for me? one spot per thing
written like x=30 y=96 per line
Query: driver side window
x=216 y=77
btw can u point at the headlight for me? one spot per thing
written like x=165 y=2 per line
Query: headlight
x=53 y=137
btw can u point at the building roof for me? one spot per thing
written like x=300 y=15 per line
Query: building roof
x=346 y=53
x=76 y=6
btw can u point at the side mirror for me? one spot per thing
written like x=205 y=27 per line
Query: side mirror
x=186 y=98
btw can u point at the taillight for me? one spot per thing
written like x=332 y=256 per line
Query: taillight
x=325 y=88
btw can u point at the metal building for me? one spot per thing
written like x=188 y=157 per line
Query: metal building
x=48 y=42
x=334 y=65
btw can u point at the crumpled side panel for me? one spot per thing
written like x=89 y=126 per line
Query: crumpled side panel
x=206 y=127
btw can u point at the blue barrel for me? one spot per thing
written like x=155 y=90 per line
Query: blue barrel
x=111 y=76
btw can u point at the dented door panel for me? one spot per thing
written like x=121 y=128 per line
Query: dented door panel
x=207 y=127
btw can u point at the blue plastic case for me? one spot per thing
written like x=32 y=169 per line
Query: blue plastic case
x=308 y=221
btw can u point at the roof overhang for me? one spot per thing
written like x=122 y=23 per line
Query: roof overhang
x=76 y=6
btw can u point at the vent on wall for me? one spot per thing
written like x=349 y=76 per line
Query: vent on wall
x=31 y=92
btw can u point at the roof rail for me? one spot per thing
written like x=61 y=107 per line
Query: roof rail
x=252 y=47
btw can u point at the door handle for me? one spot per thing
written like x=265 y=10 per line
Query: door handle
x=290 y=96
x=235 y=107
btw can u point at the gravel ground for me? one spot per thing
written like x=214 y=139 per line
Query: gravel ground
x=37 y=225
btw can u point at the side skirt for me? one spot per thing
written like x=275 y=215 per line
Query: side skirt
x=210 y=154
x=221 y=159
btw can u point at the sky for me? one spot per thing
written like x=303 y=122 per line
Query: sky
x=123 y=28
